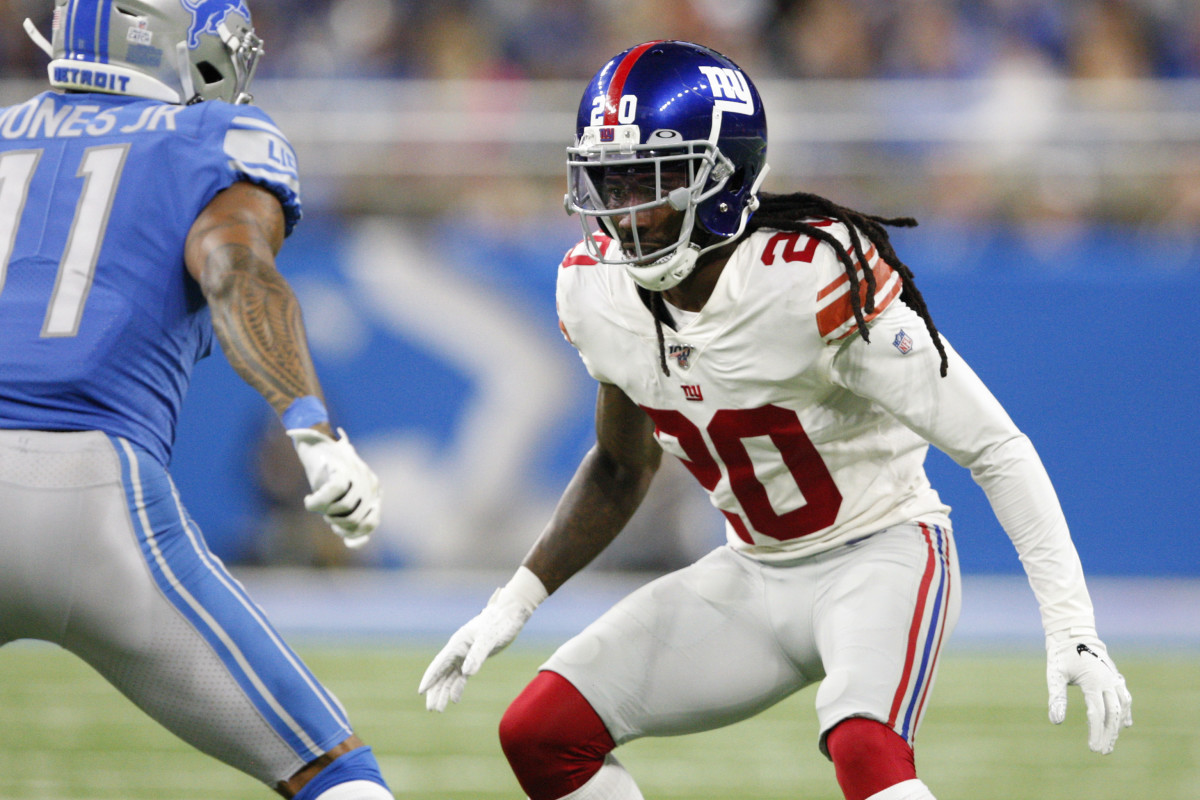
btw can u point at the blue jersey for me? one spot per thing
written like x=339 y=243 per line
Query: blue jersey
x=100 y=324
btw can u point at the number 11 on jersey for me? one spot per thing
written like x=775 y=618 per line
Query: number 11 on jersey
x=100 y=168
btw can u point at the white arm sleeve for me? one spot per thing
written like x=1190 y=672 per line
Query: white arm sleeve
x=958 y=415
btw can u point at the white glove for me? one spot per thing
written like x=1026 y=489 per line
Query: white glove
x=488 y=633
x=1076 y=657
x=344 y=489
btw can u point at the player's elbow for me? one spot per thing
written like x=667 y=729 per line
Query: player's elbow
x=1001 y=456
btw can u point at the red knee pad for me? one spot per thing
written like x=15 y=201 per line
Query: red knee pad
x=868 y=757
x=553 y=739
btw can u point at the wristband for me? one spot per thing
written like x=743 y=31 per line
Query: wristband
x=526 y=588
x=304 y=412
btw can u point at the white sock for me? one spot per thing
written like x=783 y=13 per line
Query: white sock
x=612 y=782
x=905 y=790
x=356 y=790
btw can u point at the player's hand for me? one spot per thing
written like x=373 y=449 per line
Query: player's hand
x=344 y=489
x=1078 y=658
x=488 y=633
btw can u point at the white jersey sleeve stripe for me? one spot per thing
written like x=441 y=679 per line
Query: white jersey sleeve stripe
x=251 y=122
x=262 y=154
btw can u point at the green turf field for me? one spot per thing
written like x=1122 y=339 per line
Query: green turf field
x=67 y=734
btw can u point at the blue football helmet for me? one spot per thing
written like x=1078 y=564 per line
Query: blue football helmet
x=691 y=124
x=176 y=51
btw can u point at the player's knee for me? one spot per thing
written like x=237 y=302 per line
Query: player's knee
x=550 y=718
x=352 y=776
x=868 y=757
x=553 y=738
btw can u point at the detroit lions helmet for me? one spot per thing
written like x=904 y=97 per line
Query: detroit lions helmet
x=691 y=123
x=176 y=51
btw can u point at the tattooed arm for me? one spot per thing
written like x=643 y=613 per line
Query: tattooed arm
x=231 y=252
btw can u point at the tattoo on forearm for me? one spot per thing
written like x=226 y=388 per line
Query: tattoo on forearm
x=257 y=320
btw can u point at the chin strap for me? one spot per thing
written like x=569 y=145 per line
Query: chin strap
x=38 y=38
x=671 y=269
x=183 y=62
x=667 y=272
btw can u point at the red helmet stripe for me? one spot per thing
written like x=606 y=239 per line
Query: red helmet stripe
x=616 y=86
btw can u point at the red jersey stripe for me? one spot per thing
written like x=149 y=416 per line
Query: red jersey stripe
x=577 y=260
x=739 y=527
x=843 y=279
x=839 y=312
x=579 y=255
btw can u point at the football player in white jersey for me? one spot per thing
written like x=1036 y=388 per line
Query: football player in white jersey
x=142 y=204
x=780 y=349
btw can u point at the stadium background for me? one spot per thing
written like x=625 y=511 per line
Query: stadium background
x=1050 y=150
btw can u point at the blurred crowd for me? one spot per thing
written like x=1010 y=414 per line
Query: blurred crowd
x=769 y=38
x=1124 y=150
x=408 y=150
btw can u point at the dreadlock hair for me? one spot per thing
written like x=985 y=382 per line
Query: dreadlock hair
x=787 y=212
x=658 y=309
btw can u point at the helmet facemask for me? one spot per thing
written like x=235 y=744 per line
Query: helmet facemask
x=681 y=175
x=238 y=51
x=657 y=109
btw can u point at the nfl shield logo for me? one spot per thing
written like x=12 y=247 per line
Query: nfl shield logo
x=903 y=342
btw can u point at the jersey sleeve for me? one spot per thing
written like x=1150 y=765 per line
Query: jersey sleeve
x=834 y=311
x=575 y=291
x=259 y=152
x=899 y=370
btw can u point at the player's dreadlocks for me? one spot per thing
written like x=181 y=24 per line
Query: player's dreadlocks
x=788 y=212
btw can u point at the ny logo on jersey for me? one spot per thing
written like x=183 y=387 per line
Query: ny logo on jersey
x=208 y=15
x=682 y=353
x=725 y=82
x=692 y=392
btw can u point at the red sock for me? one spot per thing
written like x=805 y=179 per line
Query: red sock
x=553 y=738
x=868 y=757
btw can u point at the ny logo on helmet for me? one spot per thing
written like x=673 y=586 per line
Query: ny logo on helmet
x=207 y=16
x=725 y=82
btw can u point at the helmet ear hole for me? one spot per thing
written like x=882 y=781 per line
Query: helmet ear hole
x=209 y=73
x=736 y=180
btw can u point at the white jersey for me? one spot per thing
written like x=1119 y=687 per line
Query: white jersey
x=804 y=435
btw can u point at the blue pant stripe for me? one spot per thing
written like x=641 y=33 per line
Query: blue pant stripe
x=930 y=635
x=235 y=588
x=198 y=585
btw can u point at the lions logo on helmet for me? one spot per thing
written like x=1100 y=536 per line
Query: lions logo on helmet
x=209 y=15
x=176 y=51
x=669 y=106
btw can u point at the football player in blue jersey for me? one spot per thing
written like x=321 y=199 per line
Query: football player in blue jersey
x=142 y=204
